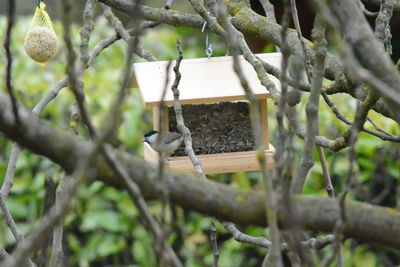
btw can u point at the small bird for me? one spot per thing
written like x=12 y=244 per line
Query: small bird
x=165 y=143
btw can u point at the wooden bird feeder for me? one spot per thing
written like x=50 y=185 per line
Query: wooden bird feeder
x=205 y=81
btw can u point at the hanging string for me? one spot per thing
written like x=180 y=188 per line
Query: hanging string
x=208 y=50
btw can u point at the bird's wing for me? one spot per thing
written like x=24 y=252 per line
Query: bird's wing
x=170 y=137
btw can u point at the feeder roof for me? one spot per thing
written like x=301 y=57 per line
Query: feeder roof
x=203 y=80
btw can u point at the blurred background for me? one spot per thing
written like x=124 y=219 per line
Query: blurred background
x=104 y=228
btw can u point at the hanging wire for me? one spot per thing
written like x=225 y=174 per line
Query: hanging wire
x=208 y=50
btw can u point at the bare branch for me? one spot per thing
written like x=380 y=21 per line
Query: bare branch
x=307 y=159
x=61 y=193
x=125 y=35
x=9 y=179
x=240 y=237
x=369 y=223
x=7 y=44
x=88 y=14
x=306 y=88
x=3 y=255
x=57 y=249
x=382 y=26
x=7 y=184
x=379 y=73
x=244 y=19
x=252 y=25
x=77 y=87
x=366 y=11
x=269 y=9
x=75 y=79
x=237 y=43
x=214 y=243
x=187 y=137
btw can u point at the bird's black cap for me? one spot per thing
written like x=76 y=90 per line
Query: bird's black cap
x=150 y=133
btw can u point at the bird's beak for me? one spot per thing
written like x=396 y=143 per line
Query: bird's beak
x=143 y=139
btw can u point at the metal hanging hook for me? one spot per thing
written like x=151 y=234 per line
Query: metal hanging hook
x=208 y=50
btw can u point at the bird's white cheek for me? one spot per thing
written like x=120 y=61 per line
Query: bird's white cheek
x=152 y=139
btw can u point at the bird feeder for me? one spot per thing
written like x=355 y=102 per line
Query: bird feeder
x=205 y=81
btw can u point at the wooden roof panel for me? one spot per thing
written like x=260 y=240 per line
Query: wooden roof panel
x=203 y=80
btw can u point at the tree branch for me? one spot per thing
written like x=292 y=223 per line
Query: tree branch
x=365 y=222
x=244 y=19
x=251 y=25
x=369 y=52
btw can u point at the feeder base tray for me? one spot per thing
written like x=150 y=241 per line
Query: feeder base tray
x=215 y=163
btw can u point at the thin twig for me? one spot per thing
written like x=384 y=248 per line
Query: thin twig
x=7 y=45
x=362 y=53
x=7 y=184
x=380 y=129
x=85 y=33
x=10 y=221
x=237 y=43
x=15 y=151
x=282 y=134
x=337 y=233
x=213 y=239
x=188 y=144
x=328 y=182
x=307 y=58
x=136 y=195
x=11 y=167
x=241 y=237
x=133 y=190
x=269 y=9
x=315 y=77
x=124 y=34
x=57 y=254
x=307 y=159
x=55 y=214
x=77 y=88
x=366 y=11
x=180 y=124
x=360 y=118
x=75 y=79
x=382 y=25
x=385 y=137
x=3 y=255
x=302 y=172
x=312 y=243
x=306 y=88
x=187 y=138
x=9 y=180
x=285 y=156
x=57 y=211
x=161 y=160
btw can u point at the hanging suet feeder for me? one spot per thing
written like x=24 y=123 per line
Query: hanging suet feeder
x=214 y=109
x=41 y=42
